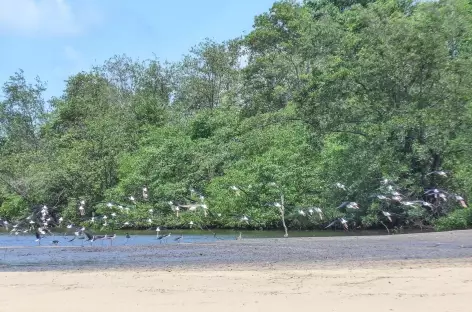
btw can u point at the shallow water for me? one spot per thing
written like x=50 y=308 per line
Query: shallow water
x=141 y=238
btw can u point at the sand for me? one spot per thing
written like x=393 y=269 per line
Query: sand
x=430 y=285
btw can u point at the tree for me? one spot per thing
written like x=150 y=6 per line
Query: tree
x=207 y=75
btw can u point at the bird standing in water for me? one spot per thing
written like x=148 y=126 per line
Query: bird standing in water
x=127 y=238
x=178 y=239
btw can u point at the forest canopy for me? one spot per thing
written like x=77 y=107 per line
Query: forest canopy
x=323 y=102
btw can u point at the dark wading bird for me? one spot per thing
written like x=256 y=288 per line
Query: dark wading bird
x=163 y=237
x=179 y=238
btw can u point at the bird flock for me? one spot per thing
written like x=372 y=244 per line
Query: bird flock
x=43 y=220
x=393 y=204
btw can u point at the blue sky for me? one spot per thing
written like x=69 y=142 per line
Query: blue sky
x=57 y=38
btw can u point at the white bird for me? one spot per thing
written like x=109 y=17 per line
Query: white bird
x=349 y=205
x=461 y=200
x=388 y=215
x=69 y=226
x=126 y=223
x=145 y=193
x=319 y=211
x=60 y=220
x=423 y=203
x=191 y=224
x=191 y=207
x=340 y=220
x=149 y=221
x=82 y=210
x=236 y=189
x=278 y=205
x=341 y=186
x=109 y=205
x=151 y=211
x=113 y=214
x=439 y=172
x=245 y=219
x=302 y=213
x=397 y=198
x=104 y=217
x=131 y=198
x=82 y=202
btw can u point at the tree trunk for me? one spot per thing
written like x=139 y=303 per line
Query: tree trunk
x=282 y=215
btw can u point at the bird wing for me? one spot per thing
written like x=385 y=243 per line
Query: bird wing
x=89 y=236
x=331 y=224
x=343 y=205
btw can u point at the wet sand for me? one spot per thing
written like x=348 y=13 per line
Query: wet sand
x=418 y=272
x=248 y=252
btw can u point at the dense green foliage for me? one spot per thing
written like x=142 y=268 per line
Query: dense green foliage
x=317 y=93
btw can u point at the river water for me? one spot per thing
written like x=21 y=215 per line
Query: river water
x=138 y=238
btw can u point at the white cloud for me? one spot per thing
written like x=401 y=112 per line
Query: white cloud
x=44 y=17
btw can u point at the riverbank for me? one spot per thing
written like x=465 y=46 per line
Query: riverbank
x=245 y=252
x=381 y=286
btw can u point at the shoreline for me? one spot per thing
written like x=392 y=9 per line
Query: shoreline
x=289 y=252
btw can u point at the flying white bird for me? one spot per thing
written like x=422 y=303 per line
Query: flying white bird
x=439 y=172
x=319 y=211
x=388 y=215
x=461 y=200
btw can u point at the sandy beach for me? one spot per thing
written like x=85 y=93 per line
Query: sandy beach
x=419 y=272
x=442 y=286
